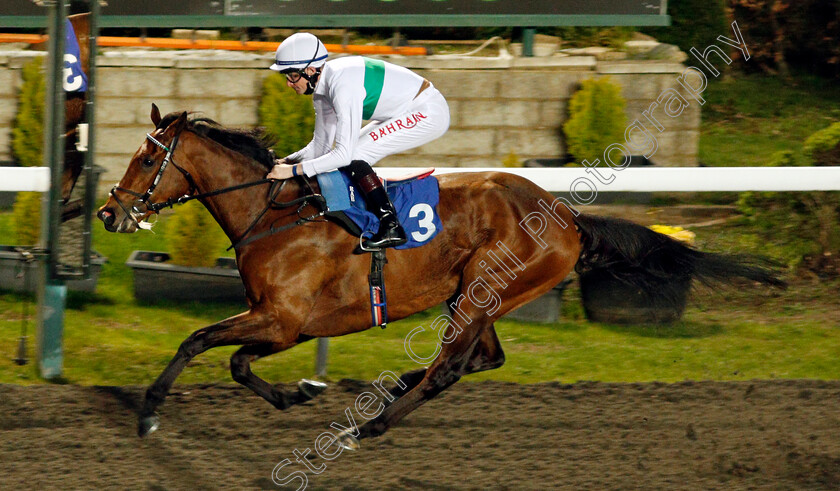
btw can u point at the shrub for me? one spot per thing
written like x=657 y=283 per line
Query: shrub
x=286 y=116
x=596 y=119
x=27 y=218
x=28 y=132
x=512 y=160
x=803 y=224
x=194 y=237
x=27 y=146
x=823 y=147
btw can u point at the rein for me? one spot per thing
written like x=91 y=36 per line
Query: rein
x=244 y=240
x=274 y=190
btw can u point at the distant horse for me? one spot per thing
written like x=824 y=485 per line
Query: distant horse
x=74 y=113
x=305 y=282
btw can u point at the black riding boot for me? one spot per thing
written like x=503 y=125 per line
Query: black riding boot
x=391 y=233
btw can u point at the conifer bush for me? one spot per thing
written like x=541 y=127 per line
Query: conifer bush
x=194 y=237
x=28 y=131
x=596 y=120
x=287 y=117
x=27 y=147
x=27 y=218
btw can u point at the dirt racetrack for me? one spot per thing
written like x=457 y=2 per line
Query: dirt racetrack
x=691 y=435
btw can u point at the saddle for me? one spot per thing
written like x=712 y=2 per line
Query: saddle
x=415 y=197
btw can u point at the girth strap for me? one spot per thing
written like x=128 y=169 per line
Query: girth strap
x=376 y=280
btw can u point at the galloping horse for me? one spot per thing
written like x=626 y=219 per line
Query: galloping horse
x=306 y=282
x=74 y=113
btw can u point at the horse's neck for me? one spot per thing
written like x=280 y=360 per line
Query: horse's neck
x=235 y=211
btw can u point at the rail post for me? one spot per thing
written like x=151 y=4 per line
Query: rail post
x=321 y=357
x=52 y=292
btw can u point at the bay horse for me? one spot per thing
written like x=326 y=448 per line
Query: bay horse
x=306 y=282
x=74 y=113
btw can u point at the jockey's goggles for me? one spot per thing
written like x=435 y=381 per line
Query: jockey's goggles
x=293 y=75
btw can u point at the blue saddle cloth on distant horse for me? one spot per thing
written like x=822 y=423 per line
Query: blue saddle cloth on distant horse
x=415 y=200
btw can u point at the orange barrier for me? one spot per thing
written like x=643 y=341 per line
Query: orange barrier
x=219 y=44
x=22 y=38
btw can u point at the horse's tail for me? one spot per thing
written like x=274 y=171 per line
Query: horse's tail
x=652 y=261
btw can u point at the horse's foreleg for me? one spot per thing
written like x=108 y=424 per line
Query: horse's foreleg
x=240 y=369
x=240 y=329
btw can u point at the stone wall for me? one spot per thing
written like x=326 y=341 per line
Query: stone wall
x=498 y=106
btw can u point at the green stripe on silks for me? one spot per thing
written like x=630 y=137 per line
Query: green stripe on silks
x=374 y=76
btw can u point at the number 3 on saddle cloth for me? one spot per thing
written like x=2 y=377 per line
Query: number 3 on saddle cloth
x=415 y=198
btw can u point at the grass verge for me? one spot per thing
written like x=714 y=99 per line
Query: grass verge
x=112 y=340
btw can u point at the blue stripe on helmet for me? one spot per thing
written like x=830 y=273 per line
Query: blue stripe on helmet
x=278 y=62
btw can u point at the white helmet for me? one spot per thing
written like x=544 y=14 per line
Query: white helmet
x=299 y=51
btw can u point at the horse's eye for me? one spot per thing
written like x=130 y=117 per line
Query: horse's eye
x=147 y=162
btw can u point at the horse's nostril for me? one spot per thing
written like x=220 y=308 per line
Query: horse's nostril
x=107 y=216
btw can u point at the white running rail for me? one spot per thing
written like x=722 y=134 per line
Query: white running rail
x=638 y=179
x=668 y=179
x=25 y=179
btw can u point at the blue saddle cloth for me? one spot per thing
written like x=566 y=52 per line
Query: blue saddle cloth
x=75 y=79
x=415 y=200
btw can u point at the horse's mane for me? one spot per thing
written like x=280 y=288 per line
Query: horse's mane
x=255 y=143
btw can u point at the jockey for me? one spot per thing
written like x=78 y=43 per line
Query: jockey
x=404 y=110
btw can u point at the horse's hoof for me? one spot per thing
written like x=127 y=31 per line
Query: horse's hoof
x=347 y=440
x=148 y=424
x=311 y=388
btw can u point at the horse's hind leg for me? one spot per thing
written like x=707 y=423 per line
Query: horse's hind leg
x=444 y=371
x=408 y=381
x=486 y=355
x=240 y=370
x=475 y=348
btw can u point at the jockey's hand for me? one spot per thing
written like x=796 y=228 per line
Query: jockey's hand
x=282 y=171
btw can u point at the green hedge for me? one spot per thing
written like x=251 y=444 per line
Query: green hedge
x=823 y=147
x=596 y=119
x=194 y=238
x=27 y=146
x=286 y=116
x=28 y=132
x=805 y=224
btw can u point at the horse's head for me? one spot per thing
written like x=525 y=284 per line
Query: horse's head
x=153 y=180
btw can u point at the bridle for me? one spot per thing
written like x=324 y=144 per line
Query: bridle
x=143 y=199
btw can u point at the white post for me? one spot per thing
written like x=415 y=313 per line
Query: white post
x=321 y=357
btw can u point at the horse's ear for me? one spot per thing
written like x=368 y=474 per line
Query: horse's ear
x=178 y=125
x=155 y=115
